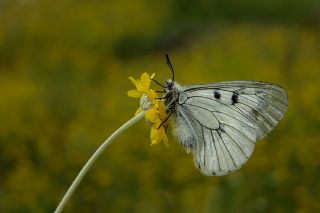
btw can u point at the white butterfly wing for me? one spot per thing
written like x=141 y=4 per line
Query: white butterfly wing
x=221 y=122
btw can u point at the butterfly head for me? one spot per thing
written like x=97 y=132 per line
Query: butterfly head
x=172 y=92
x=169 y=85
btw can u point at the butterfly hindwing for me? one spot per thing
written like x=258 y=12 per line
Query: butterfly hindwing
x=221 y=122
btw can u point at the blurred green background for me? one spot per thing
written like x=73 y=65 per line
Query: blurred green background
x=64 y=68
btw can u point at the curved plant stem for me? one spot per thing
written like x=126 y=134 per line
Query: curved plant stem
x=93 y=158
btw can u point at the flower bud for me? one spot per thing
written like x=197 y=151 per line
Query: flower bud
x=145 y=102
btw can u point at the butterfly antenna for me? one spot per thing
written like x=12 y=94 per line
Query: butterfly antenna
x=158 y=83
x=170 y=66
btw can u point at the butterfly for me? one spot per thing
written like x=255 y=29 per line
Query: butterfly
x=220 y=123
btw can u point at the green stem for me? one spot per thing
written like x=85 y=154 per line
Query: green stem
x=93 y=158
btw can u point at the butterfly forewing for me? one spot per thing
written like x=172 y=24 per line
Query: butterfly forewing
x=221 y=122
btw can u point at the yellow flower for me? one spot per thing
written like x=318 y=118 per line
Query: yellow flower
x=156 y=116
x=155 y=112
x=143 y=90
x=142 y=86
x=158 y=135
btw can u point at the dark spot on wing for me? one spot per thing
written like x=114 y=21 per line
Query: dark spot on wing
x=234 y=98
x=216 y=94
x=255 y=113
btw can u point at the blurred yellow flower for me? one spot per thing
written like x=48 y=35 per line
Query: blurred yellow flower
x=155 y=112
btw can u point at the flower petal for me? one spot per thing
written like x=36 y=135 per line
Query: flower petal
x=134 y=93
x=152 y=95
x=158 y=135
x=154 y=136
x=165 y=139
x=134 y=81
x=152 y=115
x=145 y=82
